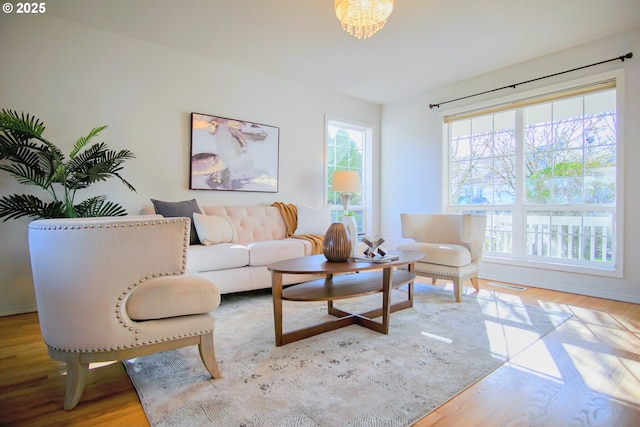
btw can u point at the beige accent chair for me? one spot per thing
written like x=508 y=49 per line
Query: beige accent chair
x=452 y=245
x=115 y=289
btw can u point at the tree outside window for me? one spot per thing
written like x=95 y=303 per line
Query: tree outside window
x=346 y=152
x=545 y=176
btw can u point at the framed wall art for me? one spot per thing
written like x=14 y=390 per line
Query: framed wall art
x=233 y=155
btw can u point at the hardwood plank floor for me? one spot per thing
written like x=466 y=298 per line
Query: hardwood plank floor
x=585 y=373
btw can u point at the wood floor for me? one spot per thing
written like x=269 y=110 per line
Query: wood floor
x=585 y=373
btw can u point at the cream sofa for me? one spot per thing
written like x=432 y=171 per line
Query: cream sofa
x=260 y=238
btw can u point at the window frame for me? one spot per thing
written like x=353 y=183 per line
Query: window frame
x=367 y=168
x=616 y=270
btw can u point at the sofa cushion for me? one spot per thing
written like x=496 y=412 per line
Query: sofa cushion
x=307 y=245
x=266 y=252
x=217 y=257
x=442 y=254
x=186 y=208
x=313 y=220
x=172 y=296
x=213 y=229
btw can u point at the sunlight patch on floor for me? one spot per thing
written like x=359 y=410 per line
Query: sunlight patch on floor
x=543 y=373
x=595 y=317
x=507 y=340
x=510 y=298
x=553 y=306
x=614 y=376
x=437 y=337
x=505 y=312
x=97 y=365
x=538 y=360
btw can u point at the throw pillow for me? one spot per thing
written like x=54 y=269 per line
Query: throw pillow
x=185 y=208
x=313 y=220
x=214 y=229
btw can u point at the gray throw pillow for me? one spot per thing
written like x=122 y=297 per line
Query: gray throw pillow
x=185 y=208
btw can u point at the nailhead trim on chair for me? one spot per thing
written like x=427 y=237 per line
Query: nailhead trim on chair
x=427 y=272
x=434 y=272
x=130 y=288
x=123 y=347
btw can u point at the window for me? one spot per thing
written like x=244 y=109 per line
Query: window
x=348 y=149
x=544 y=171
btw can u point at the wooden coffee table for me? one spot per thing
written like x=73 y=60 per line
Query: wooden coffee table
x=337 y=285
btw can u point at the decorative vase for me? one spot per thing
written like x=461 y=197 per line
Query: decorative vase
x=337 y=244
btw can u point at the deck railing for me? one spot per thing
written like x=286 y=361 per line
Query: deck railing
x=575 y=238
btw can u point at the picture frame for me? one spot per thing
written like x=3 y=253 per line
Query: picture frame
x=233 y=155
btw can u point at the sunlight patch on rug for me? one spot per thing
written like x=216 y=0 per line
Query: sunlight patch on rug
x=352 y=376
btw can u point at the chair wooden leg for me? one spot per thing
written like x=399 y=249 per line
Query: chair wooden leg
x=208 y=355
x=475 y=283
x=457 y=289
x=76 y=375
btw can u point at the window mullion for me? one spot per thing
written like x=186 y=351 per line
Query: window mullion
x=519 y=214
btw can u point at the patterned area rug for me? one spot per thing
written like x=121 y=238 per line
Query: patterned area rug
x=348 y=377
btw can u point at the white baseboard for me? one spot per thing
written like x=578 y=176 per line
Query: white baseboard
x=11 y=310
x=562 y=288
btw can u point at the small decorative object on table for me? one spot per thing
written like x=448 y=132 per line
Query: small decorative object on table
x=337 y=243
x=374 y=246
x=375 y=252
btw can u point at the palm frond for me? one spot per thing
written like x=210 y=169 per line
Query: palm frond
x=125 y=182
x=28 y=155
x=39 y=155
x=99 y=206
x=22 y=126
x=82 y=142
x=95 y=164
x=27 y=174
x=21 y=205
x=9 y=142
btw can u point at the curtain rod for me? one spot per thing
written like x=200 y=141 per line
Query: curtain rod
x=513 y=86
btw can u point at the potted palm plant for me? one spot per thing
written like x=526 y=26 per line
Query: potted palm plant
x=33 y=160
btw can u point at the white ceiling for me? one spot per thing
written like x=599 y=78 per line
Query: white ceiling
x=425 y=44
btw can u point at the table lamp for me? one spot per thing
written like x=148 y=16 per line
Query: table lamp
x=345 y=182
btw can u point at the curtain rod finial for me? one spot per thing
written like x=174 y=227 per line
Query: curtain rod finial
x=627 y=56
x=431 y=106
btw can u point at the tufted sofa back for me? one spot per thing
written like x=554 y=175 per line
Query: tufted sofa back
x=253 y=223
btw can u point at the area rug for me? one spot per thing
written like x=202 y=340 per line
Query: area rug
x=348 y=377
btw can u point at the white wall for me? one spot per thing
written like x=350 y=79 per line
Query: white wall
x=412 y=152
x=75 y=77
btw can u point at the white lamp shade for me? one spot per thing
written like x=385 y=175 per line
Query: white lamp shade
x=346 y=181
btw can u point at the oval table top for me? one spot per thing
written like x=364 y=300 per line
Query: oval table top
x=318 y=264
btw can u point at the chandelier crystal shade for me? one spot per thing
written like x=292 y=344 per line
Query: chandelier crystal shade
x=363 y=18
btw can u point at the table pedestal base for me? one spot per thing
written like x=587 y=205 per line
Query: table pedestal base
x=341 y=287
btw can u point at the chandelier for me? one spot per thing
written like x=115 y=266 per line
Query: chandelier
x=363 y=18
